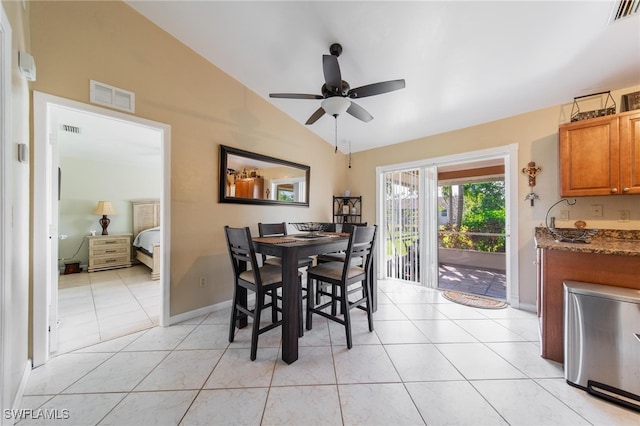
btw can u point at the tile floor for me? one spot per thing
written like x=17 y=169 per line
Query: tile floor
x=429 y=361
x=99 y=306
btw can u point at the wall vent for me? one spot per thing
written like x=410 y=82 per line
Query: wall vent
x=111 y=96
x=71 y=129
x=625 y=8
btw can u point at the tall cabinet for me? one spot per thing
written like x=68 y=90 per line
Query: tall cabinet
x=347 y=209
x=600 y=156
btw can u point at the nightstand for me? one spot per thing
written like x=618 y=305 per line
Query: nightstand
x=109 y=252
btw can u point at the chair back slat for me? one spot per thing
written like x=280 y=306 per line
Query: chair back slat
x=272 y=229
x=241 y=250
x=361 y=243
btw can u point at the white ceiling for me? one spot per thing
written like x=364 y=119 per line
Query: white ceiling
x=107 y=140
x=464 y=63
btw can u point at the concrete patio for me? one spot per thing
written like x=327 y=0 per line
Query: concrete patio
x=468 y=279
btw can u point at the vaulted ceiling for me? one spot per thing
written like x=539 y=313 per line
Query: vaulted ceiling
x=464 y=63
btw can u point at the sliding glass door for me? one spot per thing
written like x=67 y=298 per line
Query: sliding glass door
x=402 y=224
x=410 y=211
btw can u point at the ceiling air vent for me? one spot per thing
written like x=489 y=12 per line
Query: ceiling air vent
x=70 y=129
x=625 y=8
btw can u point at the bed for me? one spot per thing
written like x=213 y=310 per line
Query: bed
x=146 y=228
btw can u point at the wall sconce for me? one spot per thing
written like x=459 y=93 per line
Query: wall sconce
x=531 y=170
x=104 y=208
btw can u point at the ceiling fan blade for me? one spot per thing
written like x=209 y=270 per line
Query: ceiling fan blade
x=315 y=116
x=294 y=96
x=376 y=88
x=332 y=76
x=358 y=112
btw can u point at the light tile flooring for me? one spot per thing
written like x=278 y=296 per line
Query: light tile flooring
x=429 y=361
x=98 y=306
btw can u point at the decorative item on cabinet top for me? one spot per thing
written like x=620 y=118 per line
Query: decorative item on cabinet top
x=608 y=109
x=630 y=101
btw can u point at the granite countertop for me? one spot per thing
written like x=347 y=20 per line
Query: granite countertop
x=606 y=241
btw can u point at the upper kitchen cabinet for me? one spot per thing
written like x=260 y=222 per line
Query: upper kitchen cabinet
x=600 y=156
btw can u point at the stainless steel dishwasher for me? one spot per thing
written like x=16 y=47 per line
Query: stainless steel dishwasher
x=602 y=341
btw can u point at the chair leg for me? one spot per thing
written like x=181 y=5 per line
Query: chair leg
x=367 y=295
x=256 y=326
x=232 y=323
x=334 y=297
x=310 y=302
x=300 y=322
x=344 y=305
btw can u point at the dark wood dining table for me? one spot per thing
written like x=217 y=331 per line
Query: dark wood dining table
x=290 y=248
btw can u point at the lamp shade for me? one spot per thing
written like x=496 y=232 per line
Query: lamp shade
x=335 y=105
x=104 y=208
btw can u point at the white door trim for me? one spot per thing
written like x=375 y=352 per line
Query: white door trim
x=510 y=155
x=43 y=105
x=6 y=199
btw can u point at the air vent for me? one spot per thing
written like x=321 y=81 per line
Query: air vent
x=111 y=96
x=70 y=129
x=625 y=8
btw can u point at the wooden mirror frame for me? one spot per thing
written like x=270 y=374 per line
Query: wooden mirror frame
x=225 y=151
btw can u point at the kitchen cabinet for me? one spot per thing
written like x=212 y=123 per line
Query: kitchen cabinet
x=250 y=188
x=109 y=252
x=600 y=156
x=347 y=209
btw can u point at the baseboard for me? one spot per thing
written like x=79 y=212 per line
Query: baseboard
x=175 y=319
x=17 y=401
x=527 y=307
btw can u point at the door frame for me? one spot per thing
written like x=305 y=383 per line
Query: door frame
x=6 y=200
x=44 y=107
x=428 y=220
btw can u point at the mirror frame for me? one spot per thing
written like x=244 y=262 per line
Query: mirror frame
x=222 y=189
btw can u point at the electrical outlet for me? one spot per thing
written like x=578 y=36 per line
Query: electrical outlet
x=596 y=210
x=564 y=215
x=623 y=215
x=203 y=282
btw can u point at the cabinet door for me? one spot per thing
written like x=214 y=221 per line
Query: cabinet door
x=590 y=158
x=630 y=153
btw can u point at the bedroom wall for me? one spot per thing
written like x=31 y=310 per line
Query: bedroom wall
x=74 y=42
x=536 y=134
x=84 y=183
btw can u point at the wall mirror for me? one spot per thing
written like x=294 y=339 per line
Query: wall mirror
x=250 y=178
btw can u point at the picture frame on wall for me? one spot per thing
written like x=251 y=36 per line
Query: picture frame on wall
x=630 y=101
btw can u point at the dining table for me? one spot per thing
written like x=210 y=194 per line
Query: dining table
x=290 y=248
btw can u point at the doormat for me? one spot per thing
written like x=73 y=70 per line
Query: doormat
x=473 y=300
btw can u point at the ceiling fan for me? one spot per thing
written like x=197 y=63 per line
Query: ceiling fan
x=337 y=94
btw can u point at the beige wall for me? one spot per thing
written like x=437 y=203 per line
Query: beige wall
x=17 y=309
x=109 y=42
x=536 y=134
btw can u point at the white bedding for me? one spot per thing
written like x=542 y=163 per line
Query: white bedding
x=147 y=239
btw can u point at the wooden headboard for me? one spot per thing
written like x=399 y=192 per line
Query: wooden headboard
x=146 y=214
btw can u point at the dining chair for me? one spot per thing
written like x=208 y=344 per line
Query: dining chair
x=336 y=256
x=278 y=230
x=262 y=280
x=341 y=277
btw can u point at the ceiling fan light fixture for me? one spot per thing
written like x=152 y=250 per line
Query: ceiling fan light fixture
x=336 y=105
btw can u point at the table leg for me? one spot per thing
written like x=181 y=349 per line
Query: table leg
x=290 y=295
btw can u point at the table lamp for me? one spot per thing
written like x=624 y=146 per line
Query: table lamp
x=104 y=208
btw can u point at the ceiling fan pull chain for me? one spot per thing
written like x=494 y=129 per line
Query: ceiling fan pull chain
x=336 y=150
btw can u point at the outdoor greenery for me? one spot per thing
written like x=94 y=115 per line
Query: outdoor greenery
x=479 y=208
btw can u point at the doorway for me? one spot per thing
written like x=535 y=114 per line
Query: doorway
x=471 y=229
x=52 y=116
x=408 y=209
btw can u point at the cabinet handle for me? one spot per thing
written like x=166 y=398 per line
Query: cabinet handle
x=625 y=189
x=614 y=190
